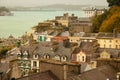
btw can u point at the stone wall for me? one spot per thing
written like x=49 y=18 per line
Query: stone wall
x=59 y=69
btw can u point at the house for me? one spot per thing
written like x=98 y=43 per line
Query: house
x=59 y=38
x=79 y=57
x=49 y=71
x=80 y=25
x=52 y=50
x=85 y=52
x=74 y=39
x=113 y=53
x=92 y=12
x=30 y=55
x=65 y=19
x=89 y=37
x=105 y=55
x=104 y=38
x=23 y=62
x=35 y=64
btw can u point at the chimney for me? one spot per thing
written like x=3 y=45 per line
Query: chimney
x=65 y=71
x=73 y=15
x=115 y=33
x=1 y=75
x=79 y=69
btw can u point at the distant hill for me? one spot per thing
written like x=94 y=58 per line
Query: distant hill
x=55 y=7
x=5 y=11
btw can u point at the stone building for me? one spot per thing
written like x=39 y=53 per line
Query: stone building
x=65 y=19
x=47 y=75
x=64 y=68
x=80 y=25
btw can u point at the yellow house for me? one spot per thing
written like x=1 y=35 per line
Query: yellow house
x=105 y=55
x=105 y=40
x=81 y=57
x=116 y=43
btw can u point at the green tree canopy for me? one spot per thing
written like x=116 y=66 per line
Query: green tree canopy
x=3 y=9
x=97 y=20
x=112 y=21
x=113 y=3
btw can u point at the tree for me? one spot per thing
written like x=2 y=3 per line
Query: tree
x=112 y=21
x=97 y=20
x=113 y=3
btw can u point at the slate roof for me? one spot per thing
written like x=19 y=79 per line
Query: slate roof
x=43 y=48
x=90 y=35
x=100 y=73
x=84 y=19
x=87 y=47
x=65 y=33
x=105 y=35
x=48 y=75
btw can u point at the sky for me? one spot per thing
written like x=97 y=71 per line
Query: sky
x=50 y=2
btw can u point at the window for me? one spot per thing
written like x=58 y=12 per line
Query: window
x=119 y=55
x=116 y=46
x=63 y=58
x=83 y=58
x=35 y=56
x=104 y=45
x=110 y=41
x=34 y=64
x=79 y=58
x=21 y=63
x=47 y=57
x=110 y=46
x=104 y=41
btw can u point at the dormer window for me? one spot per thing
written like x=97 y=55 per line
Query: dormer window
x=25 y=53
x=46 y=56
x=19 y=55
x=57 y=57
x=35 y=56
x=63 y=58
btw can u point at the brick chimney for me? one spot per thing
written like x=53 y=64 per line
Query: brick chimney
x=115 y=33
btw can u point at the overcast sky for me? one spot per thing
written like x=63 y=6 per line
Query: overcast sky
x=49 y=2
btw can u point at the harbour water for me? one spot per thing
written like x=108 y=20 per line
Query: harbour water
x=23 y=21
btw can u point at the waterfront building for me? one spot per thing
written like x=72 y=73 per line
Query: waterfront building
x=65 y=19
x=92 y=12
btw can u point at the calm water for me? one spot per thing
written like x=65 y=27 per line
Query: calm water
x=21 y=22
